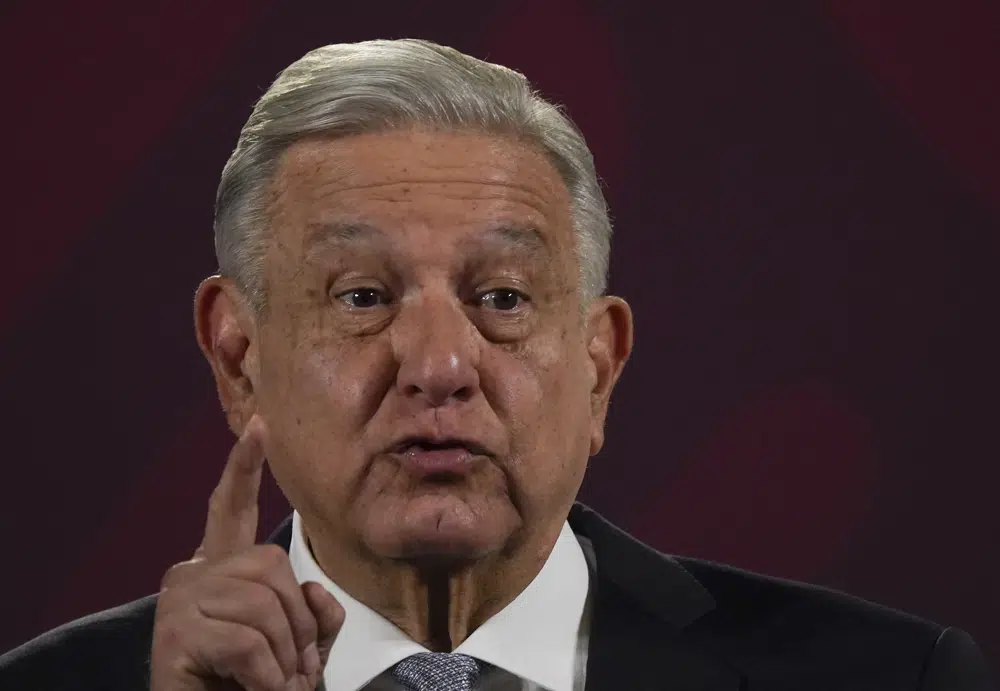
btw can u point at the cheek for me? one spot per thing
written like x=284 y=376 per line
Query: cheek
x=309 y=371
x=547 y=406
x=329 y=391
x=315 y=400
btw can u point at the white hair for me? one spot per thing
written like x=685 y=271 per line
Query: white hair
x=347 y=89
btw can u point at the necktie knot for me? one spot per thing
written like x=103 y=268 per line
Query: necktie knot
x=437 y=672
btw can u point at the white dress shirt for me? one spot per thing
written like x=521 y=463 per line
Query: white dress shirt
x=538 y=641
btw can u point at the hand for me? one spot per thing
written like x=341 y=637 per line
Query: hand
x=234 y=614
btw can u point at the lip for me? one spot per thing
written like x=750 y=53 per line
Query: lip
x=423 y=455
x=450 y=461
x=407 y=444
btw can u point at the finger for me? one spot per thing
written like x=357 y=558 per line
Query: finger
x=256 y=606
x=232 y=509
x=181 y=573
x=234 y=651
x=329 y=616
x=269 y=566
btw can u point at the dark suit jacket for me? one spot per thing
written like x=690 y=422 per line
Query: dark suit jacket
x=659 y=622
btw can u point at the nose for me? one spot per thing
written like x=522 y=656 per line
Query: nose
x=436 y=347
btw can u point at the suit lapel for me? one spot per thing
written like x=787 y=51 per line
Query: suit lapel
x=629 y=653
x=642 y=603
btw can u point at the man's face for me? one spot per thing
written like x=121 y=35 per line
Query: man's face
x=422 y=291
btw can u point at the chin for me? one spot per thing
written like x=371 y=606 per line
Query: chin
x=443 y=530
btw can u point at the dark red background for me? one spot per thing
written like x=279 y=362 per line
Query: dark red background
x=807 y=201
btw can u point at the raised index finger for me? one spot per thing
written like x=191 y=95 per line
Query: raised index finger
x=232 y=509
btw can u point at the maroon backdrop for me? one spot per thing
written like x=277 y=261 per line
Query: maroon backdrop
x=806 y=200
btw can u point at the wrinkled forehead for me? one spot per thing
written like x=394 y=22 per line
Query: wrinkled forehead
x=453 y=180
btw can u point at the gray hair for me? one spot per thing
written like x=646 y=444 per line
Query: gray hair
x=346 y=89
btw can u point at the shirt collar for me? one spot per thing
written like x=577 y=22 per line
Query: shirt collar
x=534 y=637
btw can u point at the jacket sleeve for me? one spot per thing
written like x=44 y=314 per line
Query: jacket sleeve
x=107 y=650
x=955 y=663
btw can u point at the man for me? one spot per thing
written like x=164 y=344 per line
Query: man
x=410 y=324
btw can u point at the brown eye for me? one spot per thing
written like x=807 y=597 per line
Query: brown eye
x=502 y=299
x=362 y=298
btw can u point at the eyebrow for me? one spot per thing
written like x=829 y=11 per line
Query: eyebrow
x=339 y=233
x=515 y=236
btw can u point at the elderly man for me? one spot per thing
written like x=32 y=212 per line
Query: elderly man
x=410 y=324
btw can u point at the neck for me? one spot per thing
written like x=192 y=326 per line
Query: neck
x=436 y=606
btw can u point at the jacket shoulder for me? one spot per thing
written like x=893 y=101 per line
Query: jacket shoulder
x=750 y=593
x=764 y=621
x=104 y=650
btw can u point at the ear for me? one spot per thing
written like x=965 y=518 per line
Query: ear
x=609 y=344
x=227 y=335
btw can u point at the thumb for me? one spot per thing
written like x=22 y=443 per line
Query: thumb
x=329 y=616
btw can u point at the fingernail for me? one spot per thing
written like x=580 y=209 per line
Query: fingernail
x=310 y=659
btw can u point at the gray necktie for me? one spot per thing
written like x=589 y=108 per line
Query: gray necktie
x=437 y=672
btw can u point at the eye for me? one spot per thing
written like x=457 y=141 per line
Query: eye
x=502 y=299
x=363 y=298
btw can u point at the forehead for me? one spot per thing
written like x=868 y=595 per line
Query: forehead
x=456 y=180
